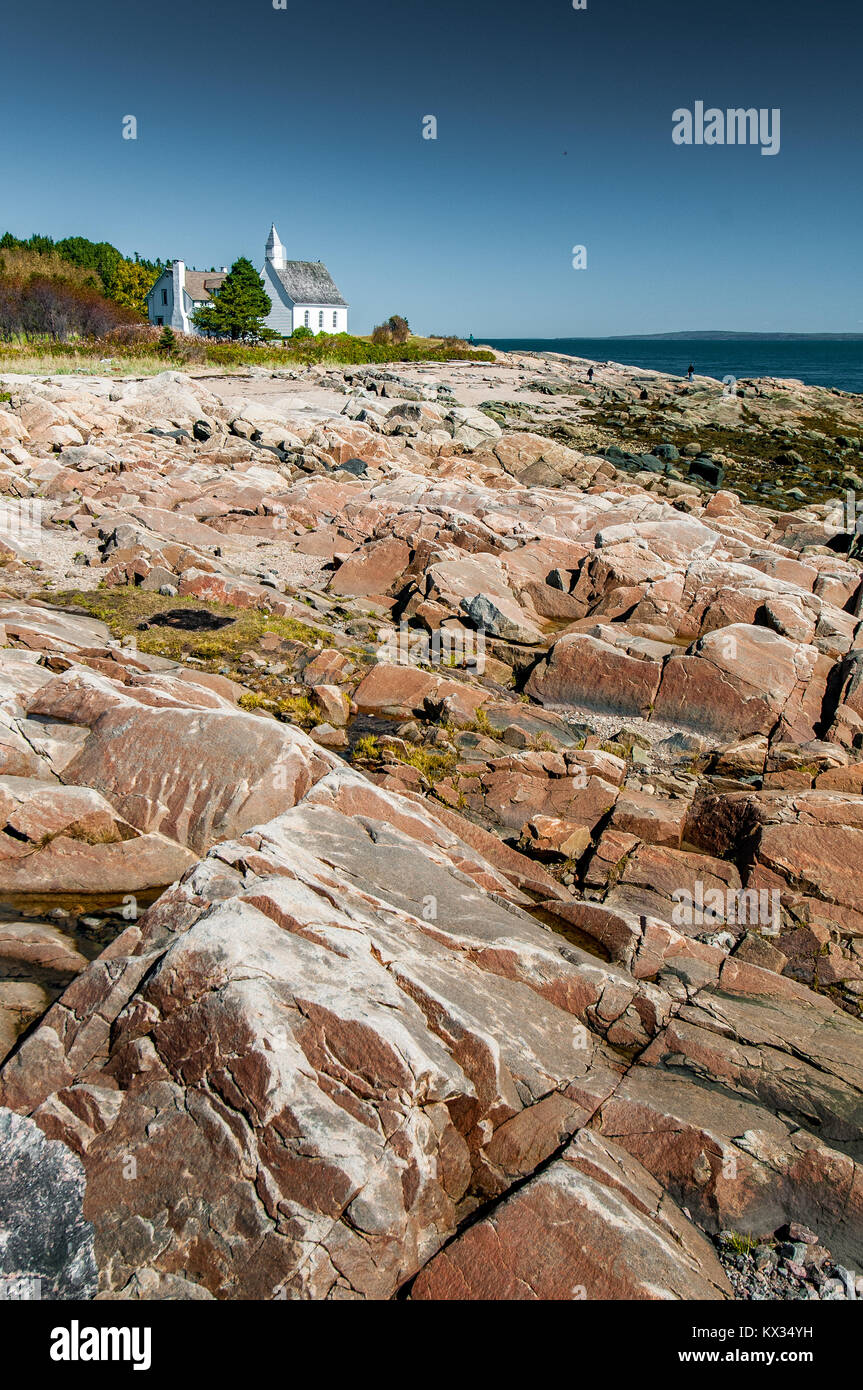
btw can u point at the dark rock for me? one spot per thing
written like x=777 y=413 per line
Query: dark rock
x=177 y=435
x=651 y=462
x=703 y=467
x=43 y=1234
x=188 y=620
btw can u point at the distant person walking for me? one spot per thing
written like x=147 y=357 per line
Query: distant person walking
x=590 y=374
x=691 y=372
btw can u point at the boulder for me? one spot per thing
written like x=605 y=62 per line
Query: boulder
x=400 y=691
x=202 y=769
x=375 y=568
x=62 y=839
x=501 y=617
x=593 y=1225
x=591 y=674
x=740 y=681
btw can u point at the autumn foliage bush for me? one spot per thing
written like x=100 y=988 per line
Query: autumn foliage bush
x=52 y=306
x=137 y=337
x=395 y=330
x=94 y=265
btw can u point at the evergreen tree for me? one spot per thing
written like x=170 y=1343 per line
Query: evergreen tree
x=239 y=308
x=100 y=256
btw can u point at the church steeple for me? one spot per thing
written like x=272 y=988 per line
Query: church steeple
x=276 y=254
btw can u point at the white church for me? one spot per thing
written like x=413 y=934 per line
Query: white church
x=303 y=294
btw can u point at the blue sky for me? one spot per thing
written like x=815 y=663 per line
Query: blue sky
x=554 y=129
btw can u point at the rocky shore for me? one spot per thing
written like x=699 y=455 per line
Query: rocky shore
x=432 y=807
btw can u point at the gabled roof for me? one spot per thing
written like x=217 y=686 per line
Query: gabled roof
x=200 y=284
x=309 y=282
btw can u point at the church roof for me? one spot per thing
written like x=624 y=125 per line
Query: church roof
x=309 y=282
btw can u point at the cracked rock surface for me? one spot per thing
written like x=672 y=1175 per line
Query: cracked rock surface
x=429 y=828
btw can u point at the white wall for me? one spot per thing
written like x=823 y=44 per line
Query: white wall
x=155 y=308
x=280 y=318
x=329 y=312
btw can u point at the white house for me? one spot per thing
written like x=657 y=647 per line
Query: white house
x=302 y=292
x=178 y=292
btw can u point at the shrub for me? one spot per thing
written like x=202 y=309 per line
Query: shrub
x=142 y=336
x=19 y=263
x=135 y=341
x=56 y=308
x=399 y=328
x=291 y=709
x=367 y=749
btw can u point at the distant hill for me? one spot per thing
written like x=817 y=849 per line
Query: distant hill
x=714 y=335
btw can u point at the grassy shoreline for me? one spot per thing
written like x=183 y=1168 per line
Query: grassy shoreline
x=143 y=358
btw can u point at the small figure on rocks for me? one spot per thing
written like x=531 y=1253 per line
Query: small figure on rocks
x=690 y=371
x=590 y=374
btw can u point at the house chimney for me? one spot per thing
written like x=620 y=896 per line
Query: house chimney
x=179 y=320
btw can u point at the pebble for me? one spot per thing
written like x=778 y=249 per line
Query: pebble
x=777 y=1268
